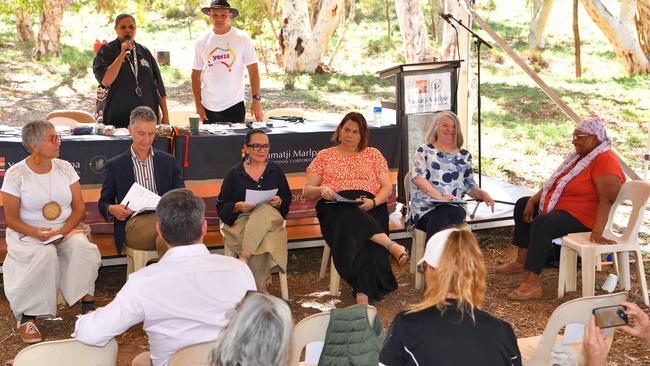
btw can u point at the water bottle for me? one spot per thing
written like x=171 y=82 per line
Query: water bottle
x=377 y=115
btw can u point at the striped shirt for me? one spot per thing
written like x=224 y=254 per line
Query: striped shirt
x=143 y=171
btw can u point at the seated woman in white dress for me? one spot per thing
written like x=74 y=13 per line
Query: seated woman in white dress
x=46 y=249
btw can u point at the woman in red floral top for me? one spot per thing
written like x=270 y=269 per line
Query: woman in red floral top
x=357 y=234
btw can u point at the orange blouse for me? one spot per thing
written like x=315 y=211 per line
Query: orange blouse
x=340 y=172
x=580 y=197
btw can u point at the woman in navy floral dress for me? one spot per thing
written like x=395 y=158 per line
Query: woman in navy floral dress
x=442 y=175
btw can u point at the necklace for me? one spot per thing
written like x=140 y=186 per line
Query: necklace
x=134 y=70
x=51 y=210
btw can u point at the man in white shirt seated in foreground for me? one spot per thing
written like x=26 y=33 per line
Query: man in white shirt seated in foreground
x=184 y=298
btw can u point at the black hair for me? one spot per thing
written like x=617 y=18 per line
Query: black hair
x=122 y=16
x=250 y=134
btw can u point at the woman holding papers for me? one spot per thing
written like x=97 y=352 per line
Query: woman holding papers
x=252 y=204
x=442 y=175
x=46 y=249
x=576 y=198
x=357 y=231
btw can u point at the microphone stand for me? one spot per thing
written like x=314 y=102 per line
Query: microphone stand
x=478 y=41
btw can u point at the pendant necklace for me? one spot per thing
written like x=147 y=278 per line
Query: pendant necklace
x=134 y=70
x=51 y=210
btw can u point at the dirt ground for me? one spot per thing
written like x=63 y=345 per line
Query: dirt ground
x=309 y=295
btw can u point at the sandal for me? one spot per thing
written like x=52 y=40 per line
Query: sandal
x=526 y=291
x=403 y=258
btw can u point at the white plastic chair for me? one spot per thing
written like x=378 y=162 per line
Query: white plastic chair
x=67 y=352
x=335 y=279
x=72 y=114
x=284 y=284
x=536 y=351
x=578 y=244
x=195 y=355
x=313 y=329
x=136 y=259
x=279 y=112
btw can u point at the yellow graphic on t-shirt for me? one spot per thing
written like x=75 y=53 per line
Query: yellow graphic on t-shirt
x=219 y=55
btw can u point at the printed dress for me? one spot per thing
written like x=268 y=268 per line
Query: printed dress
x=449 y=173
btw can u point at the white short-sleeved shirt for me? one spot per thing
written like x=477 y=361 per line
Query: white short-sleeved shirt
x=222 y=60
x=35 y=190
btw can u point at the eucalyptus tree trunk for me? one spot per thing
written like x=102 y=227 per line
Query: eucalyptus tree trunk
x=642 y=21
x=449 y=49
x=303 y=48
x=49 y=34
x=24 y=31
x=537 y=35
x=621 y=33
x=415 y=37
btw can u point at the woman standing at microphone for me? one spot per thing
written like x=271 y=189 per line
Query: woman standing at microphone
x=128 y=76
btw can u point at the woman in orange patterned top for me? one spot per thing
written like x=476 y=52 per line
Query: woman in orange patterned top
x=357 y=233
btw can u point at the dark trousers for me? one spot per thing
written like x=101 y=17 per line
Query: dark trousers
x=440 y=218
x=234 y=114
x=538 y=235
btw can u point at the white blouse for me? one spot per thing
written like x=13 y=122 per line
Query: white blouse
x=35 y=190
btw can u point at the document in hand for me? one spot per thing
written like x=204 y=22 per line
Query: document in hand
x=340 y=199
x=140 y=199
x=448 y=201
x=256 y=197
x=33 y=240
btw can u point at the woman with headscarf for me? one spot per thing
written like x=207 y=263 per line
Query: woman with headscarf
x=576 y=198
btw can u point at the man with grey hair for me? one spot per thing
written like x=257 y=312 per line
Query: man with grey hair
x=184 y=298
x=153 y=169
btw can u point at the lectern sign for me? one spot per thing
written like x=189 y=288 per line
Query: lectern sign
x=426 y=93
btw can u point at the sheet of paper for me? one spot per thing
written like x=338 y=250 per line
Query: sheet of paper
x=448 y=201
x=256 y=197
x=339 y=198
x=33 y=240
x=313 y=351
x=575 y=333
x=139 y=198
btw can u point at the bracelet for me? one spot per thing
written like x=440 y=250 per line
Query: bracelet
x=374 y=203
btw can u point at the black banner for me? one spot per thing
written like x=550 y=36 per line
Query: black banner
x=211 y=156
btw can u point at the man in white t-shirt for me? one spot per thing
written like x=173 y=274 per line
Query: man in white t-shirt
x=220 y=57
x=183 y=299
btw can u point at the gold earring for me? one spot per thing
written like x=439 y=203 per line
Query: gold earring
x=36 y=158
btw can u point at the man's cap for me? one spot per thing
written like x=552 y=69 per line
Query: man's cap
x=435 y=247
x=221 y=4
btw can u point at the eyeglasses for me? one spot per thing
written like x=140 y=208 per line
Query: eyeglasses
x=259 y=147
x=578 y=136
x=123 y=27
x=55 y=139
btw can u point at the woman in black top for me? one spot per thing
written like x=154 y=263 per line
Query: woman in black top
x=447 y=327
x=128 y=76
x=256 y=233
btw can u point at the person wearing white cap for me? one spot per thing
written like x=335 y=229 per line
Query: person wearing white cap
x=447 y=327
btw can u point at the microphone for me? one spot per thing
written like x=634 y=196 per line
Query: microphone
x=127 y=38
x=445 y=16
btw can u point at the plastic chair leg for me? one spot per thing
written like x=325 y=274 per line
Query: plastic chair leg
x=562 y=275
x=324 y=260
x=284 y=286
x=588 y=274
x=334 y=280
x=642 y=279
x=572 y=274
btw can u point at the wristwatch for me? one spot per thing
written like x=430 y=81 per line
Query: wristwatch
x=257 y=97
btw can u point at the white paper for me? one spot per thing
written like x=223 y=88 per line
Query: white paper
x=312 y=352
x=575 y=333
x=256 y=197
x=33 y=240
x=140 y=199
x=339 y=198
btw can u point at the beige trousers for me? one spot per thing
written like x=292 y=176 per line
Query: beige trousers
x=141 y=234
x=260 y=232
